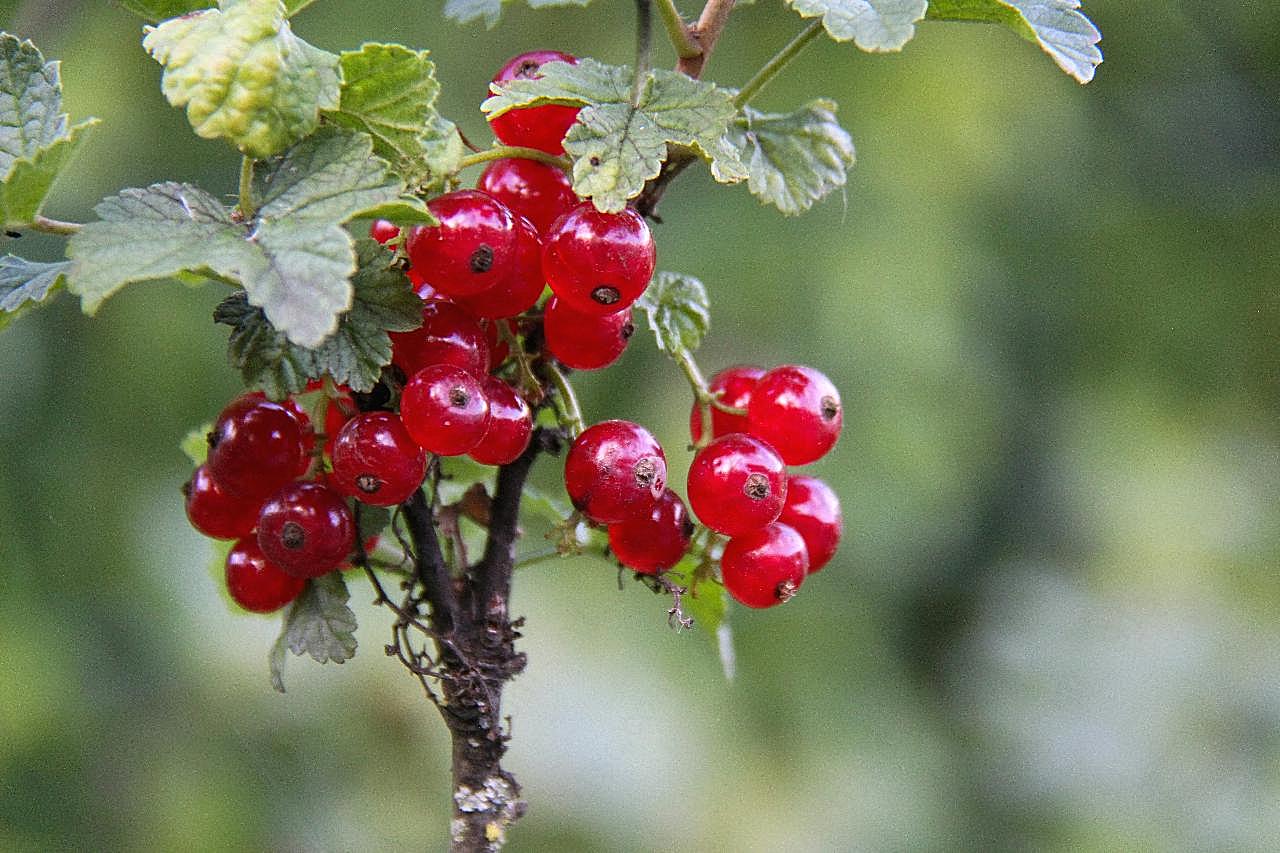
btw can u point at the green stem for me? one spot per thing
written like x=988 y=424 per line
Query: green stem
x=777 y=63
x=644 y=48
x=568 y=400
x=247 y=207
x=55 y=226
x=499 y=152
x=677 y=30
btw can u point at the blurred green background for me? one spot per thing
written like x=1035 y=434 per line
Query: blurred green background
x=1052 y=311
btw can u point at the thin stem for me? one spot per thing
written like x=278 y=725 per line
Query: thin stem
x=247 y=207
x=644 y=48
x=677 y=30
x=499 y=152
x=55 y=226
x=779 y=61
x=568 y=400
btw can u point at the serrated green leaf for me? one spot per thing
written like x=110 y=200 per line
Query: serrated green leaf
x=466 y=11
x=409 y=210
x=678 y=311
x=617 y=146
x=318 y=623
x=242 y=75
x=329 y=177
x=29 y=180
x=26 y=283
x=384 y=300
x=873 y=25
x=1058 y=26
x=196 y=444
x=794 y=159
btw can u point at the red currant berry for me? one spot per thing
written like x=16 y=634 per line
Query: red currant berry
x=471 y=249
x=257 y=584
x=797 y=410
x=255 y=448
x=540 y=192
x=420 y=285
x=737 y=483
x=510 y=425
x=337 y=412
x=445 y=410
x=375 y=460
x=499 y=349
x=215 y=513
x=598 y=263
x=585 y=341
x=448 y=335
x=652 y=543
x=535 y=127
x=306 y=529
x=614 y=471
x=813 y=510
x=520 y=290
x=734 y=386
x=383 y=231
x=764 y=567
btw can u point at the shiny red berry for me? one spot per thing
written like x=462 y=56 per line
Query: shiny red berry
x=383 y=231
x=499 y=349
x=534 y=127
x=510 y=425
x=598 y=263
x=812 y=509
x=376 y=461
x=445 y=410
x=306 y=529
x=652 y=543
x=734 y=386
x=471 y=249
x=257 y=584
x=764 y=567
x=449 y=334
x=256 y=447
x=215 y=513
x=797 y=410
x=540 y=192
x=520 y=290
x=737 y=483
x=615 y=470
x=585 y=341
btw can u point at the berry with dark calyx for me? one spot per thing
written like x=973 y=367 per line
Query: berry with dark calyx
x=306 y=529
x=615 y=470
x=256 y=447
x=534 y=127
x=813 y=510
x=737 y=483
x=733 y=386
x=598 y=263
x=383 y=231
x=537 y=191
x=510 y=425
x=376 y=461
x=652 y=543
x=585 y=341
x=797 y=410
x=521 y=289
x=764 y=567
x=445 y=410
x=471 y=249
x=215 y=513
x=257 y=584
x=449 y=334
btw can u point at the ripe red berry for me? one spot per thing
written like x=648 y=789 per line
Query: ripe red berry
x=585 y=341
x=535 y=127
x=383 y=231
x=215 y=513
x=540 y=192
x=520 y=290
x=764 y=567
x=737 y=483
x=734 y=386
x=652 y=543
x=306 y=529
x=499 y=349
x=615 y=470
x=449 y=334
x=598 y=263
x=510 y=425
x=797 y=410
x=257 y=584
x=445 y=410
x=812 y=509
x=471 y=249
x=421 y=286
x=376 y=461
x=255 y=448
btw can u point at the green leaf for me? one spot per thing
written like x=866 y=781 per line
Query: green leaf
x=617 y=146
x=354 y=355
x=794 y=159
x=678 y=311
x=466 y=11
x=160 y=10
x=196 y=444
x=873 y=25
x=244 y=76
x=319 y=623
x=1058 y=26
x=706 y=602
x=409 y=210
x=26 y=283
